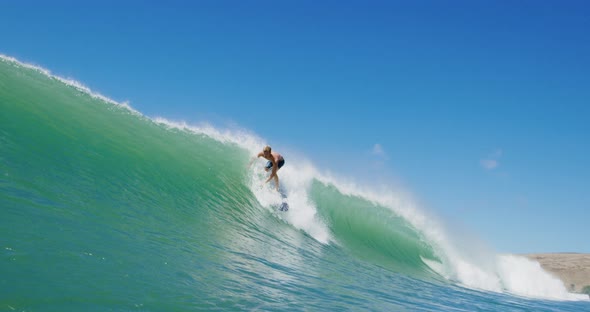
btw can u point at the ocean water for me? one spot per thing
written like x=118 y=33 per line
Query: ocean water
x=105 y=209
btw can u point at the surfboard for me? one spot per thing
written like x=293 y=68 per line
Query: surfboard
x=284 y=204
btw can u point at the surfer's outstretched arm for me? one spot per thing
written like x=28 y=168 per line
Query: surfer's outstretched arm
x=253 y=159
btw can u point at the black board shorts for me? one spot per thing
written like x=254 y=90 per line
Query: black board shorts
x=280 y=164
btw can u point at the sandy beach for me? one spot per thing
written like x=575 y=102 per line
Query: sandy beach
x=572 y=268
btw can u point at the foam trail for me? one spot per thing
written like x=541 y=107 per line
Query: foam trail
x=295 y=181
x=303 y=212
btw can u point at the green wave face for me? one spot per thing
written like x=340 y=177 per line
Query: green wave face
x=371 y=231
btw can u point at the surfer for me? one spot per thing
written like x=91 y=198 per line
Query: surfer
x=275 y=162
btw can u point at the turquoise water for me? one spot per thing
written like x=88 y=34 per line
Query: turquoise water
x=104 y=209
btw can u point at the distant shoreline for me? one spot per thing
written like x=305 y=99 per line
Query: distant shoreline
x=572 y=268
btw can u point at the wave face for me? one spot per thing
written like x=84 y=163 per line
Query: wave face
x=104 y=208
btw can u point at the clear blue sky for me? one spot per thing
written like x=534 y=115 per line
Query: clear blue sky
x=479 y=108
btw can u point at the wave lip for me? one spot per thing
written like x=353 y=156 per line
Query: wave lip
x=69 y=82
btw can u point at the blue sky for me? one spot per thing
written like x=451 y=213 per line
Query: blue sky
x=480 y=108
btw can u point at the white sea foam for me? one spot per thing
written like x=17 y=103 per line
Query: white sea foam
x=525 y=277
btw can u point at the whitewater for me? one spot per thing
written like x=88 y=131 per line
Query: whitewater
x=104 y=208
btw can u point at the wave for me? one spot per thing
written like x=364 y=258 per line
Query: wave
x=57 y=132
